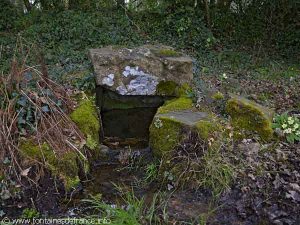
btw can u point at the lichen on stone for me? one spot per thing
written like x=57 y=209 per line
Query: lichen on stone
x=176 y=104
x=248 y=117
x=109 y=80
x=86 y=118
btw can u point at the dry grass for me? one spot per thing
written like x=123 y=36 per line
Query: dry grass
x=52 y=126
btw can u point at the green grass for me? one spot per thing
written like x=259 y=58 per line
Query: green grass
x=151 y=172
x=217 y=174
x=130 y=215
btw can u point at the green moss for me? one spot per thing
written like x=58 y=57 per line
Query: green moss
x=166 y=136
x=32 y=150
x=176 y=104
x=184 y=90
x=71 y=182
x=168 y=53
x=206 y=128
x=249 y=117
x=167 y=88
x=29 y=213
x=64 y=166
x=170 y=88
x=86 y=118
x=218 y=96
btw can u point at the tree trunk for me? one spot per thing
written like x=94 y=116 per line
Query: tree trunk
x=207 y=12
x=27 y=5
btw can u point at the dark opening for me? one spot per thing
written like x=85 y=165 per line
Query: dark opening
x=127 y=118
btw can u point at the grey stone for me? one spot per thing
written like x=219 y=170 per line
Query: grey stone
x=187 y=117
x=138 y=71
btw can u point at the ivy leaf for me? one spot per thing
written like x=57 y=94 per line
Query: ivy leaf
x=21 y=120
x=22 y=101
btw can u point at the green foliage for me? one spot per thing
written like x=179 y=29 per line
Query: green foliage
x=131 y=215
x=216 y=173
x=9 y=13
x=151 y=172
x=30 y=213
x=289 y=126
x=271 y=24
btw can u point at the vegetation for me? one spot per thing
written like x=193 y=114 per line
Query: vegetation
x=289 y=126
x=176 y=104
x=248 y=116
x=241 y=159
x=86 y=118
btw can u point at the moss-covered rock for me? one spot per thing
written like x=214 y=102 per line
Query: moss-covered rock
x=206 y=128
x=176 y=104
x=249 y=117
x=175 y=131
x=165 y=134
x=167 y=88
x=170 y=88
x=86 y=118
x=62 y=165
x=173 y=121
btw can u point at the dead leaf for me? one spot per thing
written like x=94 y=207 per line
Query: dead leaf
x=25 y=172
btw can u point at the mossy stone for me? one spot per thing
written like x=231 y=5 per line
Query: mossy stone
x=249 y=117
x=167 y=88
x=173 y=121
x=63 y=166
x=206 y=128
x=170 y=88
x=176 y=104
x=86 y=118
x=164 y=137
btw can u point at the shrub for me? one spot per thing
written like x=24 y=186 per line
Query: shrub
x=289 y=126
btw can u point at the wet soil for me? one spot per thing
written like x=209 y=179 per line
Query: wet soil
x=266 y=189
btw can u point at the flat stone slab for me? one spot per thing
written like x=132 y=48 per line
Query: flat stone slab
x=187 y=117
x=138 y=71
